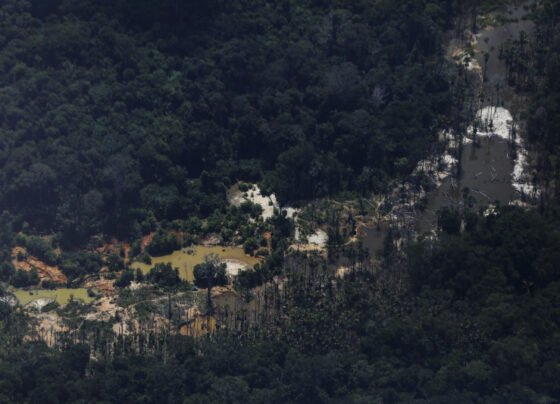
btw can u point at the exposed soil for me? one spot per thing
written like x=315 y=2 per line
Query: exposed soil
x=104 y=286
x=46 y=272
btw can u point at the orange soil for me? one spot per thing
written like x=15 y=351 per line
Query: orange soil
x=46 y=272
x=199 y=325
x=104 y=286
x=147 y=240
x=114 y=247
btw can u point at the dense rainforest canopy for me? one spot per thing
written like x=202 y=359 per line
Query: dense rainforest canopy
x=544 y=118
x=119 y=115
x=111 y=111
x=479 y=324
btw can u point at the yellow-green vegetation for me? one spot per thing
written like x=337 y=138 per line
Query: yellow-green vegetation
x=61 y=296
x=186 y=258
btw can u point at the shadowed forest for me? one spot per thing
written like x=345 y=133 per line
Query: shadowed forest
x=114 y=112
x=477 y=322
x=133 y=119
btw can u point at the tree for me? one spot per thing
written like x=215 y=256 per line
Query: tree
x=115 y=262
x=163 y=243
x=210 y=273
x=22 y=279
x=125 y=279
x=449 y=221
x=165 y=276
x=7 y=270
x=6 y=234
x=42 y=249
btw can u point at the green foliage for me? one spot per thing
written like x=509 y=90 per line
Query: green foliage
x=513 y=249
x=7 y=270
x=449 y=221
x=128 y=297
x=210 y=273
x=80 y=263
x=23 y=279
x=479 y=325
x=250 y=245
x=145 y=258
x=42 y=249
x=163 y=243
x=249 y=279
x=125 y=279
x=121 y=114
x=251 y=209
x=46 y=284
x=50 y=307
x=136 y=249
x=543 y=118
x=164 y=276
x=6 y=237
x=115 y=262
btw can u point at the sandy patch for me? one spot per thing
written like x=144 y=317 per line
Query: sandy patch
x=498 y=121
x=341 y=272
x=254 y=195
x=105 y=286
x=50 y=324
x=306 y=248
x=291 y=213
x=105 y=310
x=461 y=57
x=493 y=121
x=319 y=238
x=10 y=300
x=38 y=304
x=233 y=267
x=45 y=272
x=197 y=325
x=437 y=168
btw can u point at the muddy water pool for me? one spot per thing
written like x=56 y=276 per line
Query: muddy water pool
x=489 y=164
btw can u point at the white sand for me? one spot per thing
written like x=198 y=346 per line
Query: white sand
x=493 y=121
x=319 y=238
x=291 y=213
x=470 y=62
x=437 y=169
x=497 y=121
x=233 y=267
x=341 y=272
x=254 y=195
x=489 y=122
x=38 y=304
